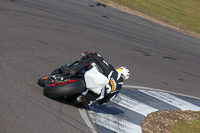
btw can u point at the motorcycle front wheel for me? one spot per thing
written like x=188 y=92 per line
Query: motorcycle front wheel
x=43 y=81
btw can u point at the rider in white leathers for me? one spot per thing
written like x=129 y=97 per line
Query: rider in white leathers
x=116 y=79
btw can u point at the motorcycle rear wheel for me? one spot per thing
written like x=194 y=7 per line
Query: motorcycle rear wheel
x=69 y=88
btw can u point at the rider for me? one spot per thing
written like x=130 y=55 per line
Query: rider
x=116 y=79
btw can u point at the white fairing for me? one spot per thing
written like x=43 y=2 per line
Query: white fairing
x=95 y=80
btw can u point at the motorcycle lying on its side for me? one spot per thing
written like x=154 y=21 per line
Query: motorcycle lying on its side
x=71 y=86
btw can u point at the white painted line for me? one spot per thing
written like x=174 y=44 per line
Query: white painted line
x=153 y=89
x=87 y=121
x=172 y=100
x=119 y=125
x=133 y=104
x=112 y=122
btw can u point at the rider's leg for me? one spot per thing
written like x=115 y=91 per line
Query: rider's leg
x=85 y=100
x=106 y=68
x=91 y=96
x=92 y=57
x=76 y=67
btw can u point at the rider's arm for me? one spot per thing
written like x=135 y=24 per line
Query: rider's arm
x=113 y=88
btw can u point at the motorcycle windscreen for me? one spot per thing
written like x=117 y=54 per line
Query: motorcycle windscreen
x=95 y=80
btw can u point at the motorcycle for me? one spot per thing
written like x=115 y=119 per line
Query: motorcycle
x=71 y=86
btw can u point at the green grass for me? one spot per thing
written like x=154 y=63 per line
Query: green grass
x=184 y=127
x=184 y=14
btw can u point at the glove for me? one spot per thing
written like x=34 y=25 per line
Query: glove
x=82 y=102
x=80 y=98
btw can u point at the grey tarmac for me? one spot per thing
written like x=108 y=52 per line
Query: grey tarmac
x=38 y=36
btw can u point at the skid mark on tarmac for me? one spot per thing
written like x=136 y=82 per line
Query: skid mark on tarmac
x=124 y=114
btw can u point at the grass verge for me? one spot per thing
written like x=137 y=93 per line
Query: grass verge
x=186 y=126
x=182 y=14
x=172 y=121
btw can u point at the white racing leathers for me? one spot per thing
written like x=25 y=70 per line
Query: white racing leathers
x=102 y=87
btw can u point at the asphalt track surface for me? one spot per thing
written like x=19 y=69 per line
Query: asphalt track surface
x=37 y=36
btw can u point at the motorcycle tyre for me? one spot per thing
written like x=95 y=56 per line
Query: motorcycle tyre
x=68 y=89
